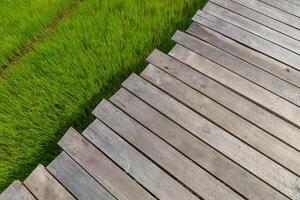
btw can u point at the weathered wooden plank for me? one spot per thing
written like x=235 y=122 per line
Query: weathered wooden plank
x=248 y=39
x=243 y=68
x=249 y=90
x=236 y=125
x=16 y=191
x=135 y=163
x=285 y=6
x=271 y=12
x=253 y=27
x=296 y=2
x=216 y=137
x=259 y=18
x=250 y=111
x=210 y=159
x=260 y=60
x=107 y=173
x=44 y=186
x=160 y=152
x=77 y=180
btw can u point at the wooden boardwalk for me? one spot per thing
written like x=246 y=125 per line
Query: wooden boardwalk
x=216 y=118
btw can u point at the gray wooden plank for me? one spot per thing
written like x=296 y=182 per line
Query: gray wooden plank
x=77 y=180
x=160 y=152
x=296 y=2
x=248 y=39
x=236 y=125
x=16 y=191
x=216 y=137
x=253 y=27
x=271 y=12
x=135 y=163
x=213 y=161
x=285 y=6
x=242 y=68
x=260 y=60
x=106 y=172
x=249 y=90
x=259 y=18
x=243 y=107
x=44 y=186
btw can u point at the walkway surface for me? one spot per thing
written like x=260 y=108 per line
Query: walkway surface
x=216 y=118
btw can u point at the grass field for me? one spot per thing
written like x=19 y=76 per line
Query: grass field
x=58 y=83
x=21 y=21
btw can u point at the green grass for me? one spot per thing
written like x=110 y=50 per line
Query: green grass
x=21 y=20
x=82 y=61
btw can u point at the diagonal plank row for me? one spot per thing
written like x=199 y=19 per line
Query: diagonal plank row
x=218 y=117
x=251 y=34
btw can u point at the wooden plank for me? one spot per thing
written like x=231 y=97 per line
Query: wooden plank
x=16 y=191
x=243 y=68
x=296 y=2
x=107 y=173
x=44 y=186
x=249 y=90
x=248 y=110
x=248 y=39
x=253 y=27
x=236 y=125
x=135 y=163
x=210 y=159
x=284 y=5
x=260 y=60
x=271 y=12
x=259 y=18
x=77 y=180
x=161 y=153
x=272 y=173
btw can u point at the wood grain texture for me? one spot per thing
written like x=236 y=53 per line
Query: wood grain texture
x=248 y=39
x=16 y=191
x=284 y=5
x=134 y=163
x=253 y=27
x=160 y=152
x=271 y=11
x=296 y=2
x=255 y=18
x=249 y=90
x=237 y=126
x=201 y=153
x=107 y=173
x=77 y=180
x=247 y=109
x=259 y=18
x=255 y=58
x=243 y=68
x=45 y=187
x=216 y=137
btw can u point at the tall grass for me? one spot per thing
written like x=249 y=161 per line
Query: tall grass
x=21 y=20
x=84 y=60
